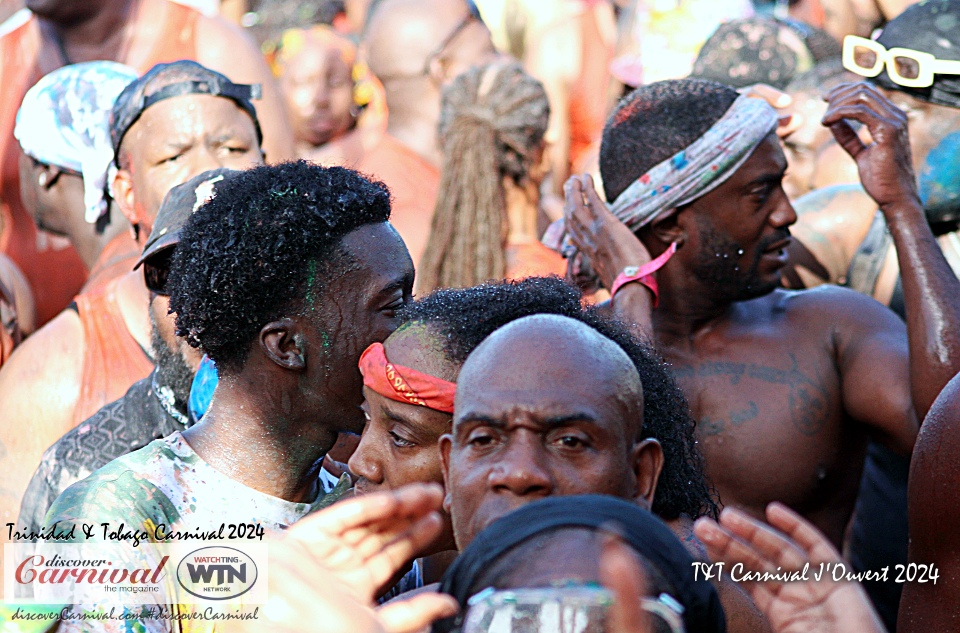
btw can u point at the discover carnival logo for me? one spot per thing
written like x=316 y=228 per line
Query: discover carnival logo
x=217 y=573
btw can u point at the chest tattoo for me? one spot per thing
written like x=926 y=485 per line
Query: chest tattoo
x=806 y=397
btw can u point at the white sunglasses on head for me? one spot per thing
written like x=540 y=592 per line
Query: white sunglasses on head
x=905 y=67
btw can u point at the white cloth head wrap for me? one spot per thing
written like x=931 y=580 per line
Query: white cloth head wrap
x=64 y=121
x=691 y=172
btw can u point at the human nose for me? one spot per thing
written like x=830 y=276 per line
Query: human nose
x=205 y=159
x=784 y=215
x=520 y=468
x=365 y=461
x=322 y=97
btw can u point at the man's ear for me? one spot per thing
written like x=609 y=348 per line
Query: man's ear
x=437 y=69
x=122 y=191
x=668 y=231
x=446 y=445
x=647 y=461
x=47 y=175
x=283 y=343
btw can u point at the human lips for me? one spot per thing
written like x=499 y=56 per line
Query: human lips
x=778 y=247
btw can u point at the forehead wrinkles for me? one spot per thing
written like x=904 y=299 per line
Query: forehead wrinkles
x=187 y=117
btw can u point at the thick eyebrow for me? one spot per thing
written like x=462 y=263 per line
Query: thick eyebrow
x=571 y=418
x=478 y=418
x=390 y=415
x=400 y=283
x=767 y=179
x=550 y=423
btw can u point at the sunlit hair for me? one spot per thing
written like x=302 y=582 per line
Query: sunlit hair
x=492 y=123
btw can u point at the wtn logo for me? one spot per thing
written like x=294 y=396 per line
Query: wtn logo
x=204 y=573
x=217 y=573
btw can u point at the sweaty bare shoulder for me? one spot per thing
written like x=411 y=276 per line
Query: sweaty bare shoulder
x=224 y=47
x=934 y=510
x=831 y=224
x=872 y=355
x=39 y=387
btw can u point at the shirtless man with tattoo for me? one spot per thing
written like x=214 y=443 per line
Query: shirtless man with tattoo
x=787 y=386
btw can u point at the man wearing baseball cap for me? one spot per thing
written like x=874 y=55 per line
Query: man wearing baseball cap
x=48 y=34
x=176 y=121
x=153 y=407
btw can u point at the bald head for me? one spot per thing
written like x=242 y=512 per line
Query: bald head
x=549 y=354
x=546 y=406
x=402 y=35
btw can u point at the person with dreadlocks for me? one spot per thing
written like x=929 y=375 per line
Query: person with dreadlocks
x=415 y=48
x=492 y=122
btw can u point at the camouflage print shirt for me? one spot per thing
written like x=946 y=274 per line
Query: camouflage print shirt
x=167 y=482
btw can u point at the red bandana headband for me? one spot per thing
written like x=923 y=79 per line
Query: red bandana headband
x=404 y=384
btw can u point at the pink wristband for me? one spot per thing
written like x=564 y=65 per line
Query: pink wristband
x=644 y=274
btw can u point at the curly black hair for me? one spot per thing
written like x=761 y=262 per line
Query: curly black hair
x=252 y=253
x=464 y=317
x=653 y=123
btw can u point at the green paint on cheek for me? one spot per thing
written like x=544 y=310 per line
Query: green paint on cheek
x=326 y=339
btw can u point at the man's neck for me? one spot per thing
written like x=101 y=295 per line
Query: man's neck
x=414 y=123
x=687 y=307
x=249 y=435
x=95 y=36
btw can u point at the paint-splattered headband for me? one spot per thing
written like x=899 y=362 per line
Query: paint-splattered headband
x=404 y=384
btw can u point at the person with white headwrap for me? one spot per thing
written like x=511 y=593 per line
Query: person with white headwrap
x=63 y=127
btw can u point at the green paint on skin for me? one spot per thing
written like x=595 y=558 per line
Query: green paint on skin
x=311 y=278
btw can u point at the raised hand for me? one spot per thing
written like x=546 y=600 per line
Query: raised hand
x=364 y=541
x=597 y=233
x=327 y=568
x=789 y=121
x=810 y=606
x=885 y=164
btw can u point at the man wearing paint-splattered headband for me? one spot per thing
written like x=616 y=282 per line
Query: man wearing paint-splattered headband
x=786 y=386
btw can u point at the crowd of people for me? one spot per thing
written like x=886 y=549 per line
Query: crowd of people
x=486 y=311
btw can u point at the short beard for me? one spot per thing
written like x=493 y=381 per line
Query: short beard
x=172 y=371
x=719 y=264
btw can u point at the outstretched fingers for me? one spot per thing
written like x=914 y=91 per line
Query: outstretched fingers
x=378 y=512
x=816 y=546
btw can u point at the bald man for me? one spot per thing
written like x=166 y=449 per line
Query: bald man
x=549 y=406
x=544 y=401
x=415 y=47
